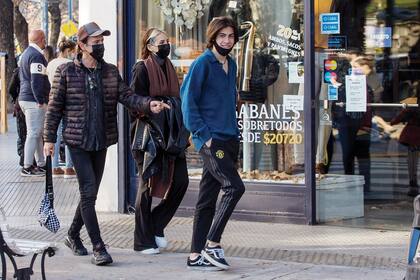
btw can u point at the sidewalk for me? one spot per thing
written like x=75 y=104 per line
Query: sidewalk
x=132 y=266
x=255 y=250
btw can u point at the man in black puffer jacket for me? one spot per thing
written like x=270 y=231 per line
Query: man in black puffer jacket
x=85 y=94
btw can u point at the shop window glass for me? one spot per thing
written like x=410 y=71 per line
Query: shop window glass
x=367 y=61
x=270 y=75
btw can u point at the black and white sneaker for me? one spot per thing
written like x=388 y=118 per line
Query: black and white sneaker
x=76 y=245
x=200 y=263
x=216 y=256
x=31 y=172
x=42 y=169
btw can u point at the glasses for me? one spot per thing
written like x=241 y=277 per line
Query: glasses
x=92 y=83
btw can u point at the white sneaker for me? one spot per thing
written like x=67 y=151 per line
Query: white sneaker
x=161 y=242
x=151 y=251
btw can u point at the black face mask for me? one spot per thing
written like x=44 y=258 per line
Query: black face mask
x=163 y=51
x=98 y=52
x=222 y=51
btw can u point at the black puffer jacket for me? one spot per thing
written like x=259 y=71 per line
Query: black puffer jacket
x=69 y=100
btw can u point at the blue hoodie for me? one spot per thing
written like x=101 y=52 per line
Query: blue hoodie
x=209 y=98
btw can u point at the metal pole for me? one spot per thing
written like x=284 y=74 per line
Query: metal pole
x=402 y=105
x=309 y=114
x=3 y=99
x=44 y=4
x=70 y=8
x=246 y=145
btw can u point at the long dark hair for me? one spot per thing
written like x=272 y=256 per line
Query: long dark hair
x=217 y=24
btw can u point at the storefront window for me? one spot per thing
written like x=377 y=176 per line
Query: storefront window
x=368 y=68
x=270 y=75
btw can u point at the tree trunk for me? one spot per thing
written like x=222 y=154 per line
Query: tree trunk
x=6 y=38
x=55 y=12
x=21 y=28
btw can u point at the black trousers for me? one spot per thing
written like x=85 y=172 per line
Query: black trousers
x=89 y=167
x=21 y=131
x=413 y=159
x=150 y=223
x=355 y=146
x=219 y=172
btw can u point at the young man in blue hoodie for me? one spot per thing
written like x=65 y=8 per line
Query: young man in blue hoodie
x=209 y=108
x=33 y=99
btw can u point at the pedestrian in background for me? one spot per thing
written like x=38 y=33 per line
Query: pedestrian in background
x=13 y=89
x=33 y=99
x=410 y=137
x=209 y=99
x=85 y=94
x=66 y=54
x=49 y=53
x=154 y=76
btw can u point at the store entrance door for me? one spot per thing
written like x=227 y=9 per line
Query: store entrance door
x=368 y=142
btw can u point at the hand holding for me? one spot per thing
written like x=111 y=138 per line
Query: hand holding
x=157 y=106
x=49 y=149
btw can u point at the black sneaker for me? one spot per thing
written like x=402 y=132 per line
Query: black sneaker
x=200 y=263
x=76 y=246
x=42 y=169
x=31 y=172
x=216 y=256
x=100 y=255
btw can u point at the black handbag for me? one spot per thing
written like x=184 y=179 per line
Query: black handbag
x=46 y=213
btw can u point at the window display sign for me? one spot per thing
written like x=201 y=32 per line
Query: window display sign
x=378 y=37
x=328 y=76
x=271 y=124
x=293 y=102
x=330 y=68
x=296 y=72
x=324 y=117
x=332 y=93
x=337 y=43
x=287 y=40
x=356 y=93
x=330 y=23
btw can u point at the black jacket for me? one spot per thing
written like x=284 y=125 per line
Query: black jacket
x=70 y=101
x=159 y=138
x=14 y=85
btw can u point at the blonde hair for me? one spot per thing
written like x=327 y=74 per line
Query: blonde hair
x=365 y=61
